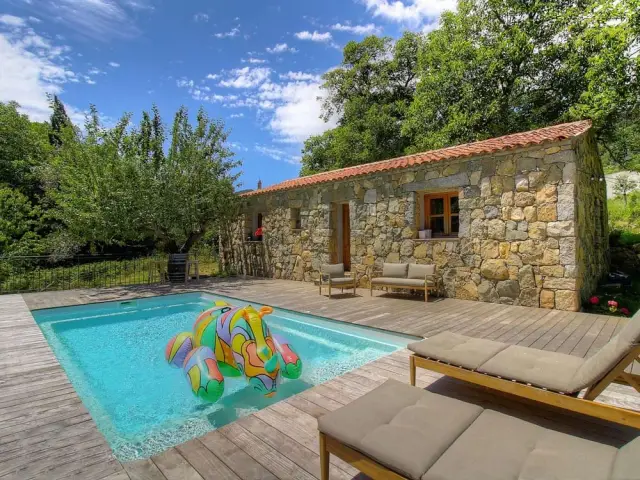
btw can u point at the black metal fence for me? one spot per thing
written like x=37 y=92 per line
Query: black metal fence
x=44 y=273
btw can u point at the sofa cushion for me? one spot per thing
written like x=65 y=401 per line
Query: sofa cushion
x=400 y=282
x=552 y=370
x=335 y=270
x=627 y=463
x=341 y=280
x=403 y=427
x=420 y=271
x=458 y=349
x=501 y=447
x=395 y=270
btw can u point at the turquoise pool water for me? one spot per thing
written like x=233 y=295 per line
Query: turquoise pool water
x=113 y=354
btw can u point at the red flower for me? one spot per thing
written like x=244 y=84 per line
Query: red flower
x=258 y=232
x=612 y=303
x=594 y=300
x=625 y=311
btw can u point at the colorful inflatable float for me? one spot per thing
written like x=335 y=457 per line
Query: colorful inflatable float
x=229 y=341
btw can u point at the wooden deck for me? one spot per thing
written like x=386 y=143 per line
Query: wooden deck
x=40 y=413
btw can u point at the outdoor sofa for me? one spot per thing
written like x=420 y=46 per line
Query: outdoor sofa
x=398 y=431
x=333 y=275
x=407 y=276
x=548 y=377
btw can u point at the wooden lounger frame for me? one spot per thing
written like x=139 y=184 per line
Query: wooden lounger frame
x=366 y=465
x=585 y=405
x=342 y=286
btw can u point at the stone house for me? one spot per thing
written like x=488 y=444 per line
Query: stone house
x=520 y=219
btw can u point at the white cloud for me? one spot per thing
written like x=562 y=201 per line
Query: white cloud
x=414 y=13
x=281 y=48
x=184 y=83
x=89 y=80
x=230 y=34
x=114 y=64
x=253 y=60
x=33 y=67
x=95 y=71
x=236 y=115
x=278 y=154
x=34 y=20
x=201 y=17
x=12 y=21
x=212 y=76
x=300 y=76
x=368 y=29
x=314 y=36
x=202 y=92
x=98 y=19
x=246 y=77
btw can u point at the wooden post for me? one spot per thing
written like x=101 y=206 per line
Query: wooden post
x=412 y=370
x=324 y=458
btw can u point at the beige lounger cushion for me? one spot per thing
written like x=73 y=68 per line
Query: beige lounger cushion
x=426 y=436
x=457 y=349
x=501 y=447
x=335 y=270
x=420 y=271
x=402 y=427
x=400 y=282
x=340 y=280
x=395 y=270
x=552 y=370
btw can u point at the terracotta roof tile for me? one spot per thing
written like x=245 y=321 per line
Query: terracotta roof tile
x=493 y=145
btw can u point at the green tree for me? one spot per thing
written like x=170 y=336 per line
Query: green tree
x=623 y=185
x=19 y=224
x=59 y=121
x=499 y=66
x=370 y=93
x=116 y=186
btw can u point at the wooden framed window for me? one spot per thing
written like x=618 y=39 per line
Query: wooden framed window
x=442 y=214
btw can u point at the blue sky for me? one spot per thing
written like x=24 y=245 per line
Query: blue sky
x=255 y=64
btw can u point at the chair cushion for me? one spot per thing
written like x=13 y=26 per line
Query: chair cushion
x=626 y=466
x=500 y=447
x=401 y=282
x=552 y=370
x=403 y=427
x=395 y=270
x=597 y=366
x=341 y=280
x=335 y=270
x=458 y=349
x=420 y=271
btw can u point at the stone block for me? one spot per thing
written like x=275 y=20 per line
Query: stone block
x=567 y=250
x=467 y=291
x=490 y=249
x=560 y=229
x=508 y=288
x=529 y=297
x=569 y=173
x=555 y=283
x=487 y=292
x=561 y=156
x=547 y=299
x=477 y=213
x=406 y=248
x=494 y=269
x=554 y=174
x=371 y=196
x=470 y=192
x=458 y=180
x=566 y=202
x=506 y=166
x=567 y=300
x=496 y=186
x=451 y=170
x=493 y=200
x=507 y=199
x=522 y=183
x=547 y=194
x=536 y=179
x=495 y=229
x=504 y=249
x=570 y=271
x=526 y=164
x=485 y=186
x=552 y=271
x=524 y=199
x=393 y=257
x=550 y=257
x=474 y=178
x=526 y=277
x=517 y=214
x=538 y=230
x=530 y=214
x=420 y=251
x=547 y=212
x=491 y=212
x=470 y=203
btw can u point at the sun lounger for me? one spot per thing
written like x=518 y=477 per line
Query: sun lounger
x=397 y=431
x=549 y=377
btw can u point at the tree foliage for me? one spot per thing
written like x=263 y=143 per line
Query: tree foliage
x=493 y=67
x=116 y=185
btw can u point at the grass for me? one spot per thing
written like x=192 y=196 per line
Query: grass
x=30 y=277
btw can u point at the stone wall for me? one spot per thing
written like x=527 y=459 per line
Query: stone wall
x=523 y=239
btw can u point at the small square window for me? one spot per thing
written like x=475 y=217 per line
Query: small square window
x=296 y=221
x=442 y=214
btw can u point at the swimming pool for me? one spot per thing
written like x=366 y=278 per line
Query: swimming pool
x=113 y=353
